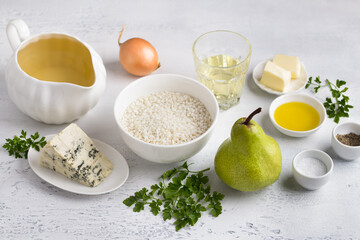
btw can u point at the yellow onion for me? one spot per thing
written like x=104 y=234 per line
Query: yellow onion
x=138 y=56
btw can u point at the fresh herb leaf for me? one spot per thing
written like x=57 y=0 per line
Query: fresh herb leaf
x=19 y=146
x=139 y=206
x=337 y=106
x=155 y=207
x=166 y=213
x=129 y=201
x=181 y=194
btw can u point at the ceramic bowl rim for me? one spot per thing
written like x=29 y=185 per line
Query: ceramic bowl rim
x=145 y=78
x=291 y=95
x=324 y=156
x=340 y=143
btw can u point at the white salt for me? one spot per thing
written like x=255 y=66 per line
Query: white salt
x=311 y=167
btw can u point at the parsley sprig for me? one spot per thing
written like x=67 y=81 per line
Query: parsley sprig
x=181 y=194
x=337 y=106
x=19 y=146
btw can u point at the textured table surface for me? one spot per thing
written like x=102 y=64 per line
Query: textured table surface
x=324 y=34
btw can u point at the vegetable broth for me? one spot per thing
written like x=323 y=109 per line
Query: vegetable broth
x=57 y=58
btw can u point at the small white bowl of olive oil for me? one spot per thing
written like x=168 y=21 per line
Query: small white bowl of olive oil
x=296 y=114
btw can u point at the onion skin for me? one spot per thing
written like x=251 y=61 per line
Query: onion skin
x=138 y=56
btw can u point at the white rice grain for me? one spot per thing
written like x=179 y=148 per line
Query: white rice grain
x=166 y=118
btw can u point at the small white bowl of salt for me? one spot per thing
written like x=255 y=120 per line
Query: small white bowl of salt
x=312 y=168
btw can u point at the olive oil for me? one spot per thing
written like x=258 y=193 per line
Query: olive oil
x=224 y=76
x=297 y=116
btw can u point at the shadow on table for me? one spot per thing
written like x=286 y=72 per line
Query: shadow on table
x=45 y=188
x=289 y=183
x=114 y=68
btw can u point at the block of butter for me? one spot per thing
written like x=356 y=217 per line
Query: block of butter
x=290 y=63
x=275 y=77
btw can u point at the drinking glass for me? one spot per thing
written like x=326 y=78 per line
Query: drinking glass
x=221 y=61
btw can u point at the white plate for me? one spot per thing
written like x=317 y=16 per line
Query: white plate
x=117 y=177
x=295 y=85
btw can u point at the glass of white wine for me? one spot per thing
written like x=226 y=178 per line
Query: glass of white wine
x=221 y=62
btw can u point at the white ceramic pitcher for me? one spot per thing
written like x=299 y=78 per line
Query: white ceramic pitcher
x=52 y=77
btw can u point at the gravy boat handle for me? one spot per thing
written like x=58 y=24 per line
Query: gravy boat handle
x=17 y=31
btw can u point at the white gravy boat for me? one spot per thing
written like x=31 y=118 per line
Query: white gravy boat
x=52 y=77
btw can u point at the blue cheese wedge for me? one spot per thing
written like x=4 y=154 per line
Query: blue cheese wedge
x=73 y=154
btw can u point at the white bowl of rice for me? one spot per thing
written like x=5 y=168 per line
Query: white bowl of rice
x=166 y=118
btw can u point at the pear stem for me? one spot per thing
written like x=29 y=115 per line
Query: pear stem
x=247 y=121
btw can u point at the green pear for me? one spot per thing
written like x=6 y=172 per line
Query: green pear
x=249 y=160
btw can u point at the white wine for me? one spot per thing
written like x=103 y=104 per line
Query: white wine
x=224 y=76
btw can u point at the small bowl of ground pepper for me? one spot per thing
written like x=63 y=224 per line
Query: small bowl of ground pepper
x=346 y=140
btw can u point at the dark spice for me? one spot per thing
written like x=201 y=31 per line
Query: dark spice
x=350 y=139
